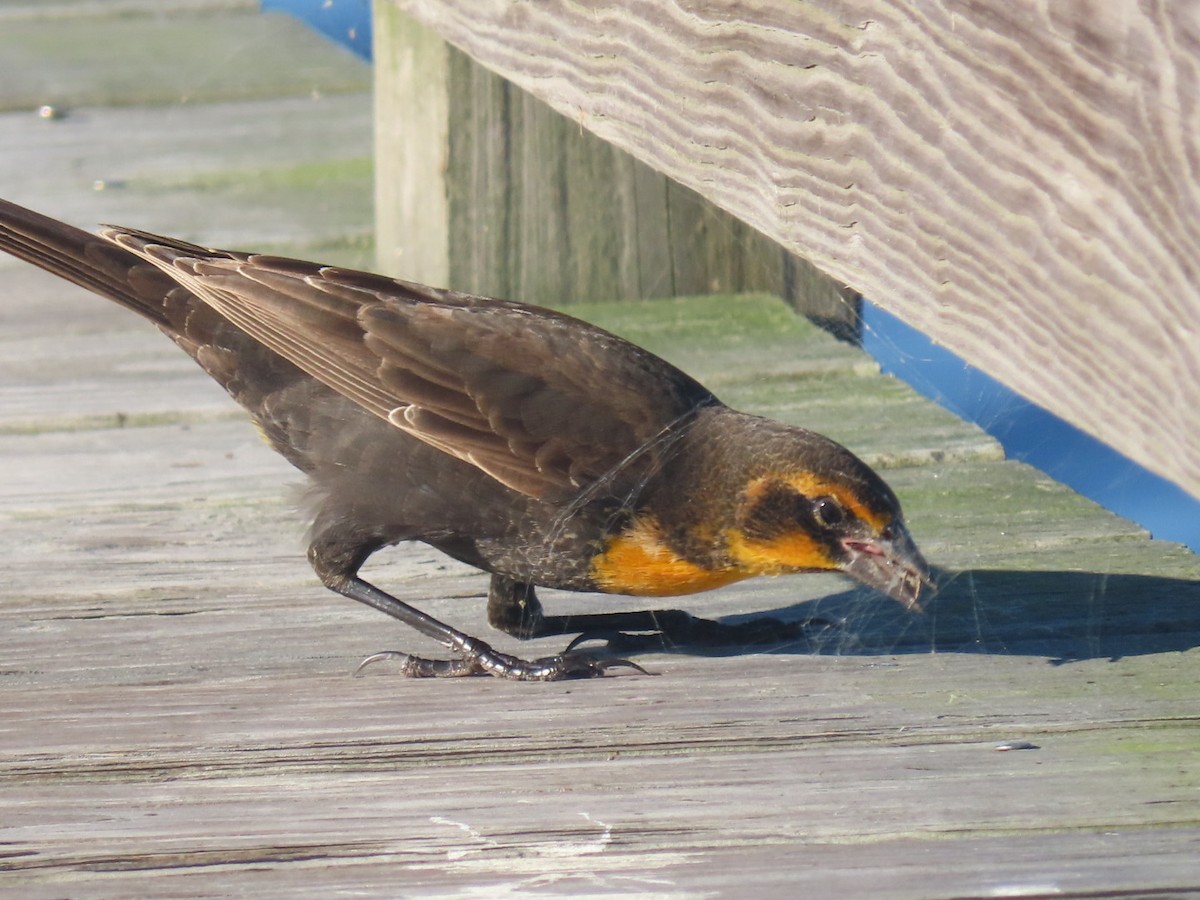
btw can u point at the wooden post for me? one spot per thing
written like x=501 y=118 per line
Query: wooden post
x=484 y=188
x=412 y=119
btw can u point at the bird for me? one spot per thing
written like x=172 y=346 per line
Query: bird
x=529 y=444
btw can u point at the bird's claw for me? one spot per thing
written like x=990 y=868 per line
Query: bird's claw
x=478 y=658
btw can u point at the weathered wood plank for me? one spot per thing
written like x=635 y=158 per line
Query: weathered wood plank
x=292 y=171
x=176 y=727
x=163 y=45
x=179 y=714
x=1020 y=184
x=412 y=119
x=485 y=189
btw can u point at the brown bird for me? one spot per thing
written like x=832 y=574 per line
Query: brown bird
x=524 y=442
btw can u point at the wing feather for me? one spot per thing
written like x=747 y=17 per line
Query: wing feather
x=546 y=404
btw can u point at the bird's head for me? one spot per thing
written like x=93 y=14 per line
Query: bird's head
x=823 y=509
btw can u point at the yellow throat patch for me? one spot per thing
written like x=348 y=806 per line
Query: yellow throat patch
x=639 y=562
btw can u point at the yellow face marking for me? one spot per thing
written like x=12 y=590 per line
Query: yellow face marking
x=791 y=552
x=794 y=550
x=811 y=485
x=639 y=562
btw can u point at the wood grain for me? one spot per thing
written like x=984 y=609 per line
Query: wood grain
x=411 y=122
x=1021 y=182
x=483 y=188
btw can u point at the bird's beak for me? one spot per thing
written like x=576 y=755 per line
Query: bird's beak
x=892 y=565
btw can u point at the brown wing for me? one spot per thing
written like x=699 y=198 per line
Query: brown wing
x=544 y=403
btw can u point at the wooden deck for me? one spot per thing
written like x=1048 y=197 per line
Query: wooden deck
x=178 y=716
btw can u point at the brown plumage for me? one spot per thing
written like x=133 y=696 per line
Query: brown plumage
x=519 y=440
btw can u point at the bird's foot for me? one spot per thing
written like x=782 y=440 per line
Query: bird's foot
x=478 y=658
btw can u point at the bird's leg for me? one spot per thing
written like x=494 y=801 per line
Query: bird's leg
x=513 y=607
x=337 y=565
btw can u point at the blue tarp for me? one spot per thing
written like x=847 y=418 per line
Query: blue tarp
x=348 y=22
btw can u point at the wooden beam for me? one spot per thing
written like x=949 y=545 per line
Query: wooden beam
x=1020 y=182
x=484 y=188
x=412 y=120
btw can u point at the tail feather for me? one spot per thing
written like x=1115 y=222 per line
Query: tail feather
x=87 y=260
x=293 y=409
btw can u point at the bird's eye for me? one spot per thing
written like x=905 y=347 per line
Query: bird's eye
x=828 y=512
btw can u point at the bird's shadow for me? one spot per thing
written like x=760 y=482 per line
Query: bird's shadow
x=1062 y=616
